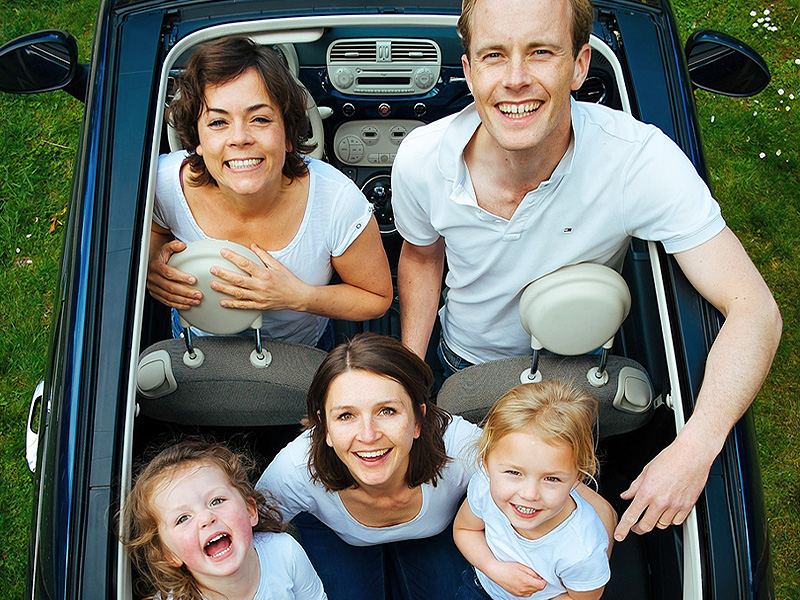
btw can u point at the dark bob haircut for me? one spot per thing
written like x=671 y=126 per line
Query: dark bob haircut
x=220 y=62
x=387 y=357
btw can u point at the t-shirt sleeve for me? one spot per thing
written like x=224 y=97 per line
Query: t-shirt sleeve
x=588 y=574
x=477 y=493
x=461 y=443
x=307 y=584
x=351 y=214
x=287 y=480
x=166 y=201
x=666 y=200
x=410 y=196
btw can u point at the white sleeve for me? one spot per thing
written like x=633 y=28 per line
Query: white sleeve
x=287 y=479
x=588 y=574
x=307 y=584
x=341 y=210
x=164 y=207
x=666 y=200
x=461 y=444
x=410 y=196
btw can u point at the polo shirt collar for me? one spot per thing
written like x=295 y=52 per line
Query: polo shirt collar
x=459 y=132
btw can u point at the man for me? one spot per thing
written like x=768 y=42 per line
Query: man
x=513 y=189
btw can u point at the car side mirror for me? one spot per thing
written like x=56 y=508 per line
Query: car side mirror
x=724 y=65
x=42 y=62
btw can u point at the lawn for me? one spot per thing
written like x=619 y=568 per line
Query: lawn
x=753 y=149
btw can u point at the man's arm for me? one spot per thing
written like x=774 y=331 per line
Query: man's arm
x=419 y=284
x=735 y=370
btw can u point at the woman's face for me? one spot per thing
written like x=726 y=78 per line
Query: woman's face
x=371 y=426
x=242 y=136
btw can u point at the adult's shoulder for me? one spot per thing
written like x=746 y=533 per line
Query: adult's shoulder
x=461 y=442
x=171 y=161
x=295 y=453
x=599 y=119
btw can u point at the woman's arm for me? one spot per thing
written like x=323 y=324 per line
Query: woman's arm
x=365 y=291
x=469 y=534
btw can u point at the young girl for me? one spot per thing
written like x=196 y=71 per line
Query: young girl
x=197 y=530
x=523 y=527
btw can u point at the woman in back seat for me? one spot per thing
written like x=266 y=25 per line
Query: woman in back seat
x=375 y=481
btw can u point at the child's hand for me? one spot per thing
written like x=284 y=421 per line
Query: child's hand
x=517 y=579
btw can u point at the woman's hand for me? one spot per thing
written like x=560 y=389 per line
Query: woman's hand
x=267 y=285
x=365 y=291
x=167 y=284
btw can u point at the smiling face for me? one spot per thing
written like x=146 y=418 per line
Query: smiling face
x=242 y=136
x=521 y=70
x=371 y=426
x=205 y=523
x=530 y=481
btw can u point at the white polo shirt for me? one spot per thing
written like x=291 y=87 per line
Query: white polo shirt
x=620 y=178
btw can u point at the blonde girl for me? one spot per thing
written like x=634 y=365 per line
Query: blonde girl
x=524 y=529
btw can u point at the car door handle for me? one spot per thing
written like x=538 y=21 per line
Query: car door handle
x=31 y=436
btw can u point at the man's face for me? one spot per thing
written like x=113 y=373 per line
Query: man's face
x=521 y=70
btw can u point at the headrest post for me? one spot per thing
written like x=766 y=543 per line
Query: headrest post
x=603 y=361
x=257 y=333
x=187 y=338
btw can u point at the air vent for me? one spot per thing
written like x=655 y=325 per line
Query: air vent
x=352 y=51
x=384 y=66
x=592 y=90
x=415 y=51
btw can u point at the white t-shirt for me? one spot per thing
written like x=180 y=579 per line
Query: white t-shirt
x=286 y=572
x=336 y=214
x=289 y=481
x=573 y=555
x=619 y=179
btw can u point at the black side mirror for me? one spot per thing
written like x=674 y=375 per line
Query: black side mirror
x=42 y=62
x=724 y=65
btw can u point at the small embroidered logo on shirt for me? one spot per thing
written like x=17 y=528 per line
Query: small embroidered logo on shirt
x=567 y=229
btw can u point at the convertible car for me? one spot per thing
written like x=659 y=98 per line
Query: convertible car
x=117 y=384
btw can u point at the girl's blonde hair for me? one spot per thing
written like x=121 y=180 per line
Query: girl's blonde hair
x=553 y=411
x=139 y=519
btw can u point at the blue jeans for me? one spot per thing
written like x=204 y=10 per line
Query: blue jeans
x=424 y=569
x=471 y=588
x=325 y=342
x=451 y=362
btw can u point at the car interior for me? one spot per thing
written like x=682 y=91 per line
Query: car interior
x=370 y=81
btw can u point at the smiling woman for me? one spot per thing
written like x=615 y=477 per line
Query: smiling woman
x=374 y=484
x=241 y=118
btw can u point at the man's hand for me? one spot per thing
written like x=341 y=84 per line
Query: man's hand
x=516 y=578
x=665 y=491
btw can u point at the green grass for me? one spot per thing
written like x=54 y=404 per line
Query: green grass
x=38 y=138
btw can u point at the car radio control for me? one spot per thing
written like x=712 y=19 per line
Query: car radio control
x=371 y=143
x=423 y=77
x=343 y=78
